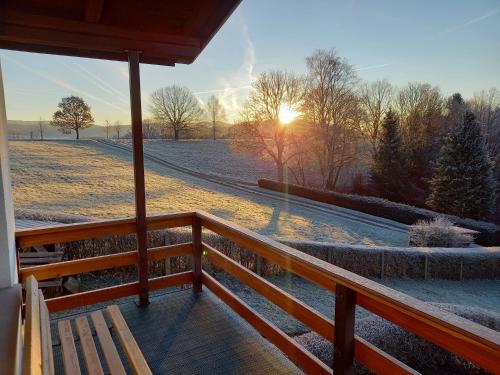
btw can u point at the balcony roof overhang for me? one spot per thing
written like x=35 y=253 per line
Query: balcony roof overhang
x=165 y=32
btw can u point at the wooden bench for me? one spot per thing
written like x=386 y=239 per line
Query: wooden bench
x=38 y=257
x=38 y=356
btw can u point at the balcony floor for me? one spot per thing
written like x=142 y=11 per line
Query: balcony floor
x=180 y=333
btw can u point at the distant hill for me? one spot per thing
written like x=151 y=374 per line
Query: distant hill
x=20 y=129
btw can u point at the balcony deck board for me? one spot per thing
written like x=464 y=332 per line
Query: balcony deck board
x=181 y=333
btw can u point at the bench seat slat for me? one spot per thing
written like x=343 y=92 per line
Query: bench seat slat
x=134 y=354
x=89 y=350
x=111 y=355
x=47 y=354
x=32 y=355
x=69 y=355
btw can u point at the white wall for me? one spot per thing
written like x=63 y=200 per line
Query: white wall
x=8 y=267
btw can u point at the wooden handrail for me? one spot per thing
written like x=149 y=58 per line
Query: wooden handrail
x=96 y=229
x=467 y=339
x=113 y=292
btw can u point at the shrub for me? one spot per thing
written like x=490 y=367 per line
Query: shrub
x=438 y=232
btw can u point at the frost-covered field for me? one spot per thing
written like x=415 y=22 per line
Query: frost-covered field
x=89 y=178
x=215 y=157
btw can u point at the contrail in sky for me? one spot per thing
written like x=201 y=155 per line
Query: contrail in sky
x=64 y=84
x=489 y=14
x=372 y=67
x=103 y=85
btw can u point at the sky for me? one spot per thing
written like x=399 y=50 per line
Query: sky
x=454 y=44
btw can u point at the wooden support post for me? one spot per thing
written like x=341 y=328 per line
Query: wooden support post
x=140 y=189
x=345 y=308
x=197 y=252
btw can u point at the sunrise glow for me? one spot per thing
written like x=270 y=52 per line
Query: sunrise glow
x=287 y=114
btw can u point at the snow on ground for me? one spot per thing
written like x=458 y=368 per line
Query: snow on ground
x=89 y=178
x=215 y=157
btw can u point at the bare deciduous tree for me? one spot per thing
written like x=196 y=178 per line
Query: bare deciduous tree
x=261 y=131
x=73 y=114
x=41 y=128
x=176 y=108
x=376 y=99
x=107 y=128
x=151 y=129
x=333 y=108
x=486 y=106
x=118 y=128
x=215 y=112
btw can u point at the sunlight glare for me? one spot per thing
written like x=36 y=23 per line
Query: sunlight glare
x=287 y=114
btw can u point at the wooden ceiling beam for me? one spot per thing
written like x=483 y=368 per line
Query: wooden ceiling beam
x=54 y=50
x=67 y=25
x=46 y=37
x=93 y=10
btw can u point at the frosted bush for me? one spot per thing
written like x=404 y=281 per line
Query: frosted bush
x=438 y=232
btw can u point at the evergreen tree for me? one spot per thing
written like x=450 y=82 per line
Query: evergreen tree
x=388 y=167
x=463 y=183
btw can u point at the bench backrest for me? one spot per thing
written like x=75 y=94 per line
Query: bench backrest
x=37 y=354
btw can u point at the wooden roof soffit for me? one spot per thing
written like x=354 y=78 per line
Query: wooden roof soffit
x=165 y=32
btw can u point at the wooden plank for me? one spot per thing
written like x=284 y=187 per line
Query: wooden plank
x=310 y=317
x=171 y=280
x=74 y=267
x=90 y=356
x=71 y=25
x=93 y=10
x=50 y=284
x=379 y=361
x=174 y=220
x=95 y=229
x=32 y=355
x=46 y=338
x=73 y=232
x=197 y=250
x=134 y=354
x=297 y=354
x=91 y=297
x=105 y=294
x=469 y=340
x=69 y=355
x=36 y=261
x=163 y=252
x=343 y=348
x=111 y=355
x=41 y=255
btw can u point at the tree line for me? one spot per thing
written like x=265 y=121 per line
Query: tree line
x=412 y=140
x=175 y=111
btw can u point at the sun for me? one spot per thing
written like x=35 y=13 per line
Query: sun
x=287 y=114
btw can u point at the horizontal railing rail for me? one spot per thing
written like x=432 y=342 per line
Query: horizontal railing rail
x=95 y=229
x=462 y=337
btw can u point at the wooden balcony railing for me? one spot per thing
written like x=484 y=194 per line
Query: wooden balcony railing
x=462 y=337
